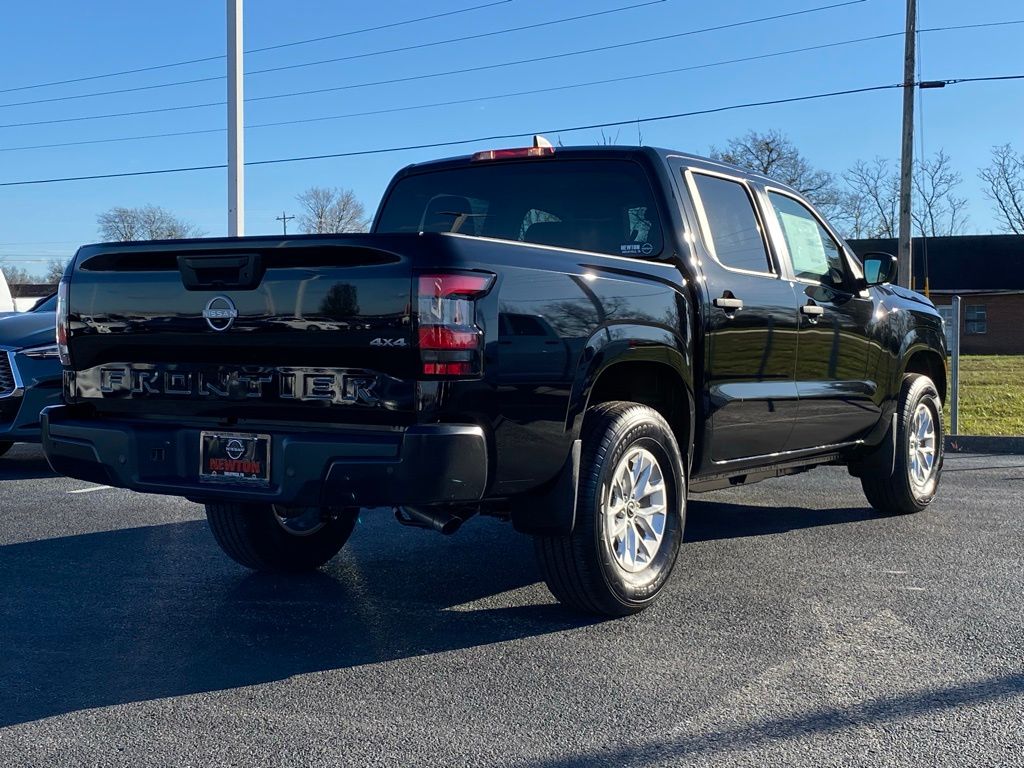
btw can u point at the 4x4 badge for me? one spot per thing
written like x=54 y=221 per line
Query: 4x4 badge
x=382 y=342
x=220 y=313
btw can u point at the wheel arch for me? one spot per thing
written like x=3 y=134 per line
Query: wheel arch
x=653 y=383
x=644 y=364
x=927 y=361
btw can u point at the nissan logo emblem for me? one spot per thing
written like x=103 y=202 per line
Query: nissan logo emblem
x=220 y=313
x=235 y=450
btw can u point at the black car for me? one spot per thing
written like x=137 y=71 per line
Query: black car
x=29 y=372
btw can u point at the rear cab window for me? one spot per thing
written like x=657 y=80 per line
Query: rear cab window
x=605 y=206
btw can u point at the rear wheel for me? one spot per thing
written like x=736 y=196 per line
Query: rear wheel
x=919 y=449
x=629 y=514
x=266 y=537
x=5 y=446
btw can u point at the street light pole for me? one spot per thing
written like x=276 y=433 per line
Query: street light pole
x=906 y=264
x=236 y=122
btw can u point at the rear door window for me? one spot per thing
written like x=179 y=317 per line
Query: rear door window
x=731 y=229
x=607 y=206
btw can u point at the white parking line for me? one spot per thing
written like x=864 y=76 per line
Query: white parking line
x=92 y=488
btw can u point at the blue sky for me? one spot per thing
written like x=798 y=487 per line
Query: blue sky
x=58 y=40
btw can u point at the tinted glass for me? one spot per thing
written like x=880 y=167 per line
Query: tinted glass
x=591 y=205
x=735 y=236
x=815 y=255
x=49 y=304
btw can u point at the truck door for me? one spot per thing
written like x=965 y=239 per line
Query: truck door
x=751 y=326
x=837 y=395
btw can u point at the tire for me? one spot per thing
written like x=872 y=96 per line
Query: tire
x=256 y=536
x=5 y=446
x=590 y=570
x=911 y=487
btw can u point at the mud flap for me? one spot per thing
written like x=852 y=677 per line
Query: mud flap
x=881 y=462
x=551 y=511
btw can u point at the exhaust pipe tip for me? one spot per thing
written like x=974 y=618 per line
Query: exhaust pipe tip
x=439 y=520
x=449 y=526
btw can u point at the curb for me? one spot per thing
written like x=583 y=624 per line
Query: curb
x=984 y=444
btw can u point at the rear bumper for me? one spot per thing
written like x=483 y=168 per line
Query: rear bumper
x=343 y=466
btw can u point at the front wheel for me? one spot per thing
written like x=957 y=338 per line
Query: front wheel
x=265 y=537
x=630 y=512
x=5 y=446
x=919 y=450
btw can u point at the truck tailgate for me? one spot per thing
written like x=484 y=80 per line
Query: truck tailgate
x=194 y=326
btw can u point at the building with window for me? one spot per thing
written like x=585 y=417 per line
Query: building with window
x=986 y=271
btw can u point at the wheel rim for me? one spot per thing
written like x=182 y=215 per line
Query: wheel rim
x=635 y=510
x=305 y=523
x=921 y=450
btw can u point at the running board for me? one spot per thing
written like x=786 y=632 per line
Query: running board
x=755 y=474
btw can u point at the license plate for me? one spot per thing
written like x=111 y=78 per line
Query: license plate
x=234 y=457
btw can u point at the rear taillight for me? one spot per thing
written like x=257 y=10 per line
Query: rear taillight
x=62 y=322
x=450 y=341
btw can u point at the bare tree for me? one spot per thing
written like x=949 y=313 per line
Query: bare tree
x=149 y=222
x=774 y=155
x=16 y=275
x=1004 y=178
x=937 y=210
x=55 y=270
x=331 y=209
x=870 y=207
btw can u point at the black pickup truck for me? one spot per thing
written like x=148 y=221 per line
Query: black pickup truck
x=570 y=339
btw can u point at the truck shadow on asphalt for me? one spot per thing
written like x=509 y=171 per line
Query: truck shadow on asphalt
x=135 y=614
x=25 y=463
x=708 y=520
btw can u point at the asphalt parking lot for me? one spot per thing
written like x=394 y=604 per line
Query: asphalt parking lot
x=799 y=629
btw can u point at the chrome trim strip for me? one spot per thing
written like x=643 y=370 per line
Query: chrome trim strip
x=796 y=453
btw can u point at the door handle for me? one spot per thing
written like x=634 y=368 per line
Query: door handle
x=730 y=305
x=812 y=310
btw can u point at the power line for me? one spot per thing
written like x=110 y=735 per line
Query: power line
x=615 y=46
x=478 y=36
x=501 y=137
x=921 y=161
x=453 y=102
x=495 y=137
x=351 y=57
x=213 y=78
x=412 y=78
x=981 y=79
x=472 y=99
x=155 y=67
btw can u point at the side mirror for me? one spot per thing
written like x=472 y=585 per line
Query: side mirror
x=880 y=268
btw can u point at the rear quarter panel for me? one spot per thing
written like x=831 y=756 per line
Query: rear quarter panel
x=583 y=312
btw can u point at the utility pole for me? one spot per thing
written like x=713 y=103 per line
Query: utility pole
x=236 y=122
x=906 y=264
x=284 y=218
